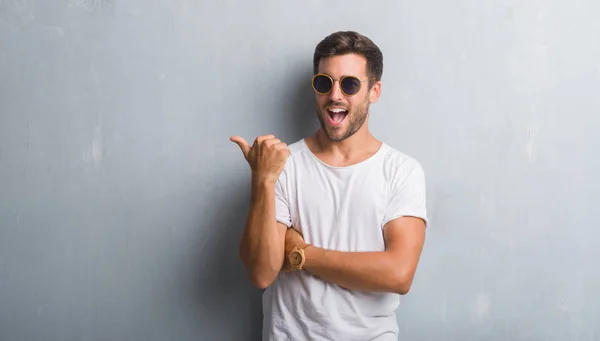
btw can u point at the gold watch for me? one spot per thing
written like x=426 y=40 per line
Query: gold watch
x=297 y=257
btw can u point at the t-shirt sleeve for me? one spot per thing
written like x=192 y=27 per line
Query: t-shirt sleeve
x=408 y=194
x=282 y=207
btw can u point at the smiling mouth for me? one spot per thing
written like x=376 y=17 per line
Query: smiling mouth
x=337 y=115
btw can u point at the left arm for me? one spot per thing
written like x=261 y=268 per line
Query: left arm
x=391 y=270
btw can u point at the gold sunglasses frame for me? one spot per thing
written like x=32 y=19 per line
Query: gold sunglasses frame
x=333 y=80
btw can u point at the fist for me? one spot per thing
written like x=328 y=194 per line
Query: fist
x=267 y=156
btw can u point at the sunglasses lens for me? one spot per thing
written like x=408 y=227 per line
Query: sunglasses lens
x=350 y=85
x=322 y=84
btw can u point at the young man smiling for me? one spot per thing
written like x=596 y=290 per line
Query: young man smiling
x=337 y=220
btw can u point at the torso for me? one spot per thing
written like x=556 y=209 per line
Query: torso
x=336 y=208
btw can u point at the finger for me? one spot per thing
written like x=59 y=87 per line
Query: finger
x=264 y=137
x=280 y=145
x=272 y=142
x=244 y=146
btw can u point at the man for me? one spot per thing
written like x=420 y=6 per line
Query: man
x=337 y=220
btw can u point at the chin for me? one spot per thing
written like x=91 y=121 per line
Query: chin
x=336 y=134
x=335 y=137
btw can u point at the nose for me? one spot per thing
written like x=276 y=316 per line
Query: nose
x=336 y=94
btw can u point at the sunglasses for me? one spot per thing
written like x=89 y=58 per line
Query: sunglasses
x=349 y=85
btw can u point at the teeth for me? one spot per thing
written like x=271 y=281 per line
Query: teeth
x=337 y=110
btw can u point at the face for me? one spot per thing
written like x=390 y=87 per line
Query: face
x=341 y=115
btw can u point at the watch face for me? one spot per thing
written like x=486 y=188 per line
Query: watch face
x=295 y=258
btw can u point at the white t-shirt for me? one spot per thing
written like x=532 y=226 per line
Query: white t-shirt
x=343 y=209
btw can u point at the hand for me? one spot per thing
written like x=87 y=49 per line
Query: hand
x=293 y=239
x=266 y=157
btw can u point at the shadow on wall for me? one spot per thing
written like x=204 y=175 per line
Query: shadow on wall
x=230 y=304
x=303 y=120
x=229 y=300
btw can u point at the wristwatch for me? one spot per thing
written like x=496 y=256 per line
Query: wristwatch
x=297 y=257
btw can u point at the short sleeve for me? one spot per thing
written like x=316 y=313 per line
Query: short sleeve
x=282 y=207
x=407 y=193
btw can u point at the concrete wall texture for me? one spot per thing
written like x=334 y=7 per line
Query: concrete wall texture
x=122 y=200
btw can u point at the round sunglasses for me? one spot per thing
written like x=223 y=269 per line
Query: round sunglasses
x=349 y=85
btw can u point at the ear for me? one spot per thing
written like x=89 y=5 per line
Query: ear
x=374 y=92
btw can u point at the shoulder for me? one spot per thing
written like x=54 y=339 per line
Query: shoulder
x=297 y=151
x=296 y=147
x=399 y=164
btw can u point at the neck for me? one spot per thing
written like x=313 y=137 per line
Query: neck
x=356 y=144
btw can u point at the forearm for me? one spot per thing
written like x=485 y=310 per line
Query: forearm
x=262 y=244
x=365 y=271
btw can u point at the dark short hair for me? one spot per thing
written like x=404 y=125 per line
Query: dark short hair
x=345 y=42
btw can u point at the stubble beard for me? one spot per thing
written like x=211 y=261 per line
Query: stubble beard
x=357 y=119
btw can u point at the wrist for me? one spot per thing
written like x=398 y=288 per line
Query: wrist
x=311 y=253
x=263 y=182
x=261 y=187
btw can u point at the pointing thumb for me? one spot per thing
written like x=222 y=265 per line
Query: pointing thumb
x=244 y=146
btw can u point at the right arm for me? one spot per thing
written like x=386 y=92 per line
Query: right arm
x=263 y=240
